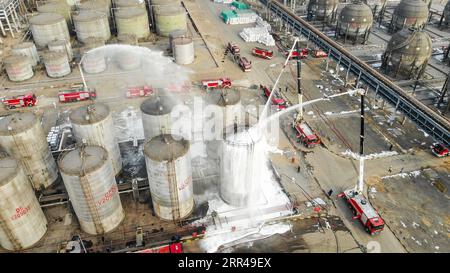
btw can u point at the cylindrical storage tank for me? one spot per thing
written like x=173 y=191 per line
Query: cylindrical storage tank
x=22 y=137
x=322 y=9
x=407 y=53
x=27 y=49
x=121 y=4
x=93 y=125
x=183 y=50
x=410 y=14
x=156 y=118
x=170 y=176
x=56 y=64
x=93 y=61
x=61 y=46
x=89 y=179
x=132 y=21
x=22 y=222
x=127 y=39
x=128 y=60
x=170 y=18
x=60 y=8
x=47 y=27
x=165 y=3
x=178 y=33
x=91 y=23
x=240 y=169
x=229 y=102
x=355 y=20
x=103 y=6
x=18 y=68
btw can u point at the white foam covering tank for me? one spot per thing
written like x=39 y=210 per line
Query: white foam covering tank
x=170 y=176
x=89 y=180
x=22 y=136
x=93 y=125
x=22 y=222
x=93 y=60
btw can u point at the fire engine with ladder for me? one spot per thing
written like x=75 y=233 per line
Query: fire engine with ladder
x=28 y=100
x=354 y=197
x=262 y=53
x=76 y=93
x=217 y=83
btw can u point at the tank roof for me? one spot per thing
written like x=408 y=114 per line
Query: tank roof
x=166 y=148
x=158 y=105
x=128 y=3
x=93 y=5
x=46 y=19
x=87 y=15
x=410 y=42
x=182 y=40
x=356 y=13
x=130 y=13
x=17 y=123
x=9 y=168
x=89 y=114
x=223 y=97
x=53 y=55
x=83 y=160
x=169 y=10
x=412 y=8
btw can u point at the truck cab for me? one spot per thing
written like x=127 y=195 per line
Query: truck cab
x=440 y=150
x=279 y=102
x=262 y=53
x=28 y=100
x=233 y=48
x=305 y=135
x=294 y=55
x=245 y=64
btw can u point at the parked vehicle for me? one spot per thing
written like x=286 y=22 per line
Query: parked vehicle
x=28 y=100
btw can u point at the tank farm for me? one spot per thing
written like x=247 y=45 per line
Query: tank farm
x=200 y=126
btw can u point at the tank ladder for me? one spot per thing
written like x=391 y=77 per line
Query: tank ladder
x=173 y=188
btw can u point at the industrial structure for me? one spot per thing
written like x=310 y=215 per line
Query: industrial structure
x=407 y=54
x=354 y=22
x=410 y=14
x=156 y=115
x=322 y=10
x=229 y=103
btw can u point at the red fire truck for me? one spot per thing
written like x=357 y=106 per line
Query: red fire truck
x=28 y=100
x=217 y=83
x=363 y=211
x=170 y=248
x=233 y=48
x=279 y=102
x=142 y=91
x=306 y=136
x=440 y=150
x=76 y=95
x=294 y=55
x=245 y=64
x=317 y=53
x=262 y=53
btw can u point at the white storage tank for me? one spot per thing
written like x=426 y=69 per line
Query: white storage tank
x=178 y=33
x=183 y=50
x=103 y=6
x=61 y=8
x=240 y=170
x=18 y=67
x=91 y=23
x=22 y=222
x=156 y=118
x=170 y=176
x=93 y=61
x=27 y=49
x=132 y=21
x=170 y=18
x=128 y=60
x=22 y=136
x=61 y=46
x=47 y=27
x=56 y=64
x=89 y=179
x=93 y=125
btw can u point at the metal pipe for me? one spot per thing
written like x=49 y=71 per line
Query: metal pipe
x=299 y=83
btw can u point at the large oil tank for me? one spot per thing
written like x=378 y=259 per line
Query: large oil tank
x=320 y=10
x=47 y=27
x=178 y=33
x=18 y=67
x=22 y=222
x=170 y=176
x=229 y=103
x=103 y=6
x=91 y=23
x=56 y=64
x=61 y=8
x=61 y=46
x=183 y=50
x=22 y=136
x=130 y=4
x=93 y=61
x=88 y=176
x=170 y=18
x=27 y=49
x=355 y=20
x=132 y=21
x=93 y=125
x=407 y=54
x=240 y=166
x=410 y=14
x=156 y=118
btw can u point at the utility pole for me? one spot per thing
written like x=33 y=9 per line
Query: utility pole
x=360 y=186
x=299 y=83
